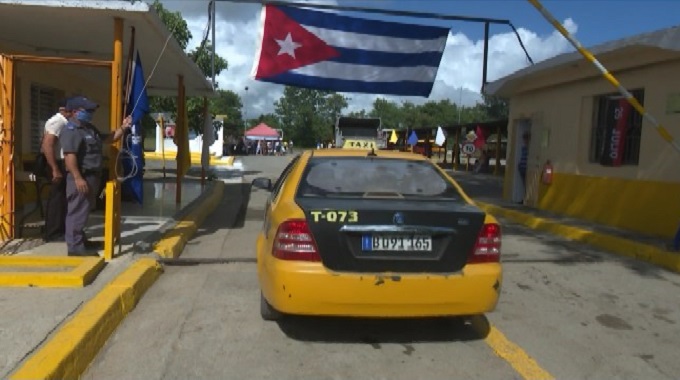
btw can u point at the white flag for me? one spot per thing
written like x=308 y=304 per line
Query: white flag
x=440 y=138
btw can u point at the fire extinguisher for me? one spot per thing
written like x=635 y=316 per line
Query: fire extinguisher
x=547 y=176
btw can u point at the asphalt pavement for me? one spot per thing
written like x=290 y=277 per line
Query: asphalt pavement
x=566 y=311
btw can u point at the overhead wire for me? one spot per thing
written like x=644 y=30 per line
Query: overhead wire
x=126 y=148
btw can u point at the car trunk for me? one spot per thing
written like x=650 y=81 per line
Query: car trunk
x=393 y=235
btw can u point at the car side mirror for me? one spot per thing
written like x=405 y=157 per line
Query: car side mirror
x=263 y=183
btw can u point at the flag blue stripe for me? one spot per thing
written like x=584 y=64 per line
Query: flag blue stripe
x=404 y=88
x=385 y=59
x=138 y=106
x=334 y=21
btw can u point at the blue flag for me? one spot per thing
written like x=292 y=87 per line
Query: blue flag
x=328 y=51
x=133 y=163
x=413 y=139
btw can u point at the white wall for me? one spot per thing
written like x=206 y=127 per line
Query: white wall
x=195 y=144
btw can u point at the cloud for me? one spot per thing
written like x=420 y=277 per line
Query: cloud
x=459 y=78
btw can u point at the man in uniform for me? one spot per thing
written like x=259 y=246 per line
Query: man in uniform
x=82 y=145
x=55 y=213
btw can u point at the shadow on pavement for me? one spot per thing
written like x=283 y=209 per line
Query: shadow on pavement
x=571 y=253
x=384 y=331
x=230 y=212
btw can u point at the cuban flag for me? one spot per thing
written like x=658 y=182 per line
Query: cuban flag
x=328 y=51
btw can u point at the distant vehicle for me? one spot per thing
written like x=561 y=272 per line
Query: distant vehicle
x=374 y=234
x=359 y=133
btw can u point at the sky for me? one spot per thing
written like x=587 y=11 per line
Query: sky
x=459 y=77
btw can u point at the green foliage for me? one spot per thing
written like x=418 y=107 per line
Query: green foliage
x=203 y=58
x=432 y=114
x=496 y=108
x=174 y=22
x=271 y=120
x=389 y=113
x=307 y=115
x=228 y=103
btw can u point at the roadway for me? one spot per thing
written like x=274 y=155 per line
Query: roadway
x=566 y=311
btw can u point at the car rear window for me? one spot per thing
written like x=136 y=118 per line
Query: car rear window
x=375 y=178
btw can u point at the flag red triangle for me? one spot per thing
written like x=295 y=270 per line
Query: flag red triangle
x=280 y=29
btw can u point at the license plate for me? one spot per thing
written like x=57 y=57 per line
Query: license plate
x=396 y=243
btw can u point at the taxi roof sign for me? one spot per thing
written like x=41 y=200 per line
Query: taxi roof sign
x=359 y=144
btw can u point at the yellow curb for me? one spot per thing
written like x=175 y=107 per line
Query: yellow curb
x=615 y=244
x=85 y=270
x=173 y=242
x=70 y=351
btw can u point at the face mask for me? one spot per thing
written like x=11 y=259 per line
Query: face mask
x=83 y=115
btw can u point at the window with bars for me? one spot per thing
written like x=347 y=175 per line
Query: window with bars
x=43 y=106
x=616 y=132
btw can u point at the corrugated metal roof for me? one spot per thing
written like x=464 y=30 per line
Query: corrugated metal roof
x=666 y=39
x=84 y=29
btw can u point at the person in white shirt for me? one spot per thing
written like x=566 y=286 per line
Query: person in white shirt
x=55 y=214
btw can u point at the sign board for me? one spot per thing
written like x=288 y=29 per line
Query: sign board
x=360 y=144
x=468 y=148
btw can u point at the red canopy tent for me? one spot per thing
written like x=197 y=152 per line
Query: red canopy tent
x=262 y=132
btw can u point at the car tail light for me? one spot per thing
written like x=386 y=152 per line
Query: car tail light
x=488 y=246
x=294 y=241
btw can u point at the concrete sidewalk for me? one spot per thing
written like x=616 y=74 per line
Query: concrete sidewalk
x=487 y=191
x=33 y=315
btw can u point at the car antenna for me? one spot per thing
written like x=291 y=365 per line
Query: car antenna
x=372 y=153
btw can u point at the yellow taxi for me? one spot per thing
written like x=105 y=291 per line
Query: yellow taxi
x=362 y=233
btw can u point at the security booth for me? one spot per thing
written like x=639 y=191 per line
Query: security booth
x=53 y=50
x=589 y=155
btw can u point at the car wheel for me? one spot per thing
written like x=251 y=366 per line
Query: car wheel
x=267 y=312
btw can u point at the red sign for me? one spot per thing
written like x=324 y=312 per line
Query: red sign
x=618 y=120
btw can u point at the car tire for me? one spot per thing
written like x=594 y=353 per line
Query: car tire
x=267 y=312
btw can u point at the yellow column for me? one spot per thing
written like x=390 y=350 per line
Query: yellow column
x=7 y=230
x=112 y=211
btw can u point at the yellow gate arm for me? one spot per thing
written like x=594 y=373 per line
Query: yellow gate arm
x=606 y=74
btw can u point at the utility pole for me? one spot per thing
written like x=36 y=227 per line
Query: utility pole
x=213 y=16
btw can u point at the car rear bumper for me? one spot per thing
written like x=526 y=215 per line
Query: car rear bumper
x=310 y=289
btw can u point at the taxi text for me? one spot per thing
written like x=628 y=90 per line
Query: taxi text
x=335 y=216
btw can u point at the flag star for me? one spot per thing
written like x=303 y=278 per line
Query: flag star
x=288 y=46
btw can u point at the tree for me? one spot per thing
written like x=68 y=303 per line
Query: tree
x=228 y=103
x=175 y=23
x=271 y=120
x=389 y=113
x=358 y=114
x=496 y=108
x=333 y=106
x=308 y=115
x=203 y=59
x=202 y=55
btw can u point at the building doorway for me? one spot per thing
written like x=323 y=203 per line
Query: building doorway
x=522 y=129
